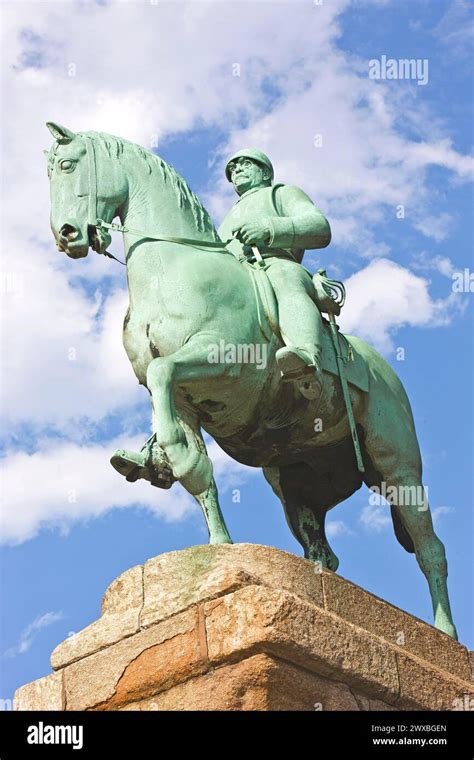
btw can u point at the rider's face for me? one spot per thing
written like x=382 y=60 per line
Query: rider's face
x=246 y=174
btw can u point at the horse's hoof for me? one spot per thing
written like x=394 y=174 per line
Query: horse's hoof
x=444 y=624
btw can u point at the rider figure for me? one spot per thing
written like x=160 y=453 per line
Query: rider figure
x=282 y=221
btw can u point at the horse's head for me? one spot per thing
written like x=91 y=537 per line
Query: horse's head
x=83 y=189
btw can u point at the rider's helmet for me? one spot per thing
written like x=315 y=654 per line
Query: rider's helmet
x=255 y=155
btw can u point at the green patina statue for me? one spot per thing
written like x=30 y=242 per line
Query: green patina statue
x=227 y=336
x=281 y=221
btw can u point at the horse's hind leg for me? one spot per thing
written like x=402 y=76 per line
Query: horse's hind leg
x=294 y=486
x=393 y=449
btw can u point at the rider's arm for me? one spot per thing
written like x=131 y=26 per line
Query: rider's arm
x=301 y=224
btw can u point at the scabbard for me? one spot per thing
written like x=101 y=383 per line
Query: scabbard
x=345 y=392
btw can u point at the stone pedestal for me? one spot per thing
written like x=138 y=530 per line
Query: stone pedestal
x=247 y=627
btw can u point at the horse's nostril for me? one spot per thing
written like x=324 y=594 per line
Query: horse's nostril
x=69 y=232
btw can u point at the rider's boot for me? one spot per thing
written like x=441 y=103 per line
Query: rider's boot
x=303 y=368
x=149 y=464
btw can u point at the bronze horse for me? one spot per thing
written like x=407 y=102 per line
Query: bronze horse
x=185 y=299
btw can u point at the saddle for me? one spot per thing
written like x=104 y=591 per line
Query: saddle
x=329 y=298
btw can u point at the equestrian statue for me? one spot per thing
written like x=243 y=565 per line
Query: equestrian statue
x=320 y=412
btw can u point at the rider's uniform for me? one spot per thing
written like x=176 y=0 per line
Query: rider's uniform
x=295 y=224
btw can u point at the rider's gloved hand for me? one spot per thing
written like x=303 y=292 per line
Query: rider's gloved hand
x=253 y=233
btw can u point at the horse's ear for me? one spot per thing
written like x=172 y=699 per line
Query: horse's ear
x=63 y=134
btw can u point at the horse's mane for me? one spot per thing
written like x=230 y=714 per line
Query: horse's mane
x=117 y=146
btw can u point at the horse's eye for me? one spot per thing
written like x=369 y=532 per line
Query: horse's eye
x=66 y=165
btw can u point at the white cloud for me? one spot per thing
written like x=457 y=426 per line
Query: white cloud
x=442 y=154
x=455 y=30
x=385 y=296
x=436 y=227
x=337 y=528
x=28 y=635
x=425 y=261
x=63 y=356
x=375 y=517
x=438 y=512
x=63 y=483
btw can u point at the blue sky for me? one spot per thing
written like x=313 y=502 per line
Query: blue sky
x=164 y=73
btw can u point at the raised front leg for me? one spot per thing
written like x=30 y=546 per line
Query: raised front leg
x=184 y=450
x=179 y=436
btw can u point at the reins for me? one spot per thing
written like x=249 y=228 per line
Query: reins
x=100 y=224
